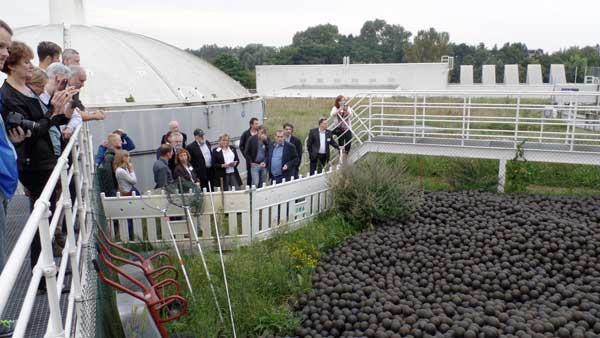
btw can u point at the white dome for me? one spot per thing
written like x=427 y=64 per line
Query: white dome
x=120 y=64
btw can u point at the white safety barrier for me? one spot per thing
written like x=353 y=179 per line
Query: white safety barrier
x=75 y=166
x=248 y=215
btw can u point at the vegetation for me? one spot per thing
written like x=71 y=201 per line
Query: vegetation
x=264 y=280
x=373 y=191
x=382 y=42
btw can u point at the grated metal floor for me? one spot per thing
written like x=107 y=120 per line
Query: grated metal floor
x=18 y=212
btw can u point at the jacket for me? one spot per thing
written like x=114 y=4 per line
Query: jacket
x=162 y=174
x=9 y=173
x=36 y=152
x=218 y=161
x=106 y=176
x=289 y=158
x=198 y=162
x=244 y=140
x=180 y=171
x=314 y=142
x=127 y=145
x=251 y=149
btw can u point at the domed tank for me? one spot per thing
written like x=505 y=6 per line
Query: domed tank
x=142 y=84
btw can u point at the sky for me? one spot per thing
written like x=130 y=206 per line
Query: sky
x=549 y=24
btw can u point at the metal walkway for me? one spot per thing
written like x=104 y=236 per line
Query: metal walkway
x=18 y=212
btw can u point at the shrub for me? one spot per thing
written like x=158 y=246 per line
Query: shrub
x=468 y=174
x=373 y=191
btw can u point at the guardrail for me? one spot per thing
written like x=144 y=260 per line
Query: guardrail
x=74 y=166
x=249 y=215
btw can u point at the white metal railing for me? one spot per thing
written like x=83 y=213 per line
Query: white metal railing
x=74 y=166
x=249 y=215
x=467 y=116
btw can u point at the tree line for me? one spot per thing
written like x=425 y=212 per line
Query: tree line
x=381 y=42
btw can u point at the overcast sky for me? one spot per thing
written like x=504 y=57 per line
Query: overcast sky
x=547 y=24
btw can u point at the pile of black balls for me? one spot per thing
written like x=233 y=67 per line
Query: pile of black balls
x=467 y=264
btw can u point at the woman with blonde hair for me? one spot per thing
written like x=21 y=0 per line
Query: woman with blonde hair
x=125 y=174
x=225 y=162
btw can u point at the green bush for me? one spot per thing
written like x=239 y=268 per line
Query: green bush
x=372 y=191
x=468 y=174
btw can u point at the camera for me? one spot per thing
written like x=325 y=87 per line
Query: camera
x=14 y=120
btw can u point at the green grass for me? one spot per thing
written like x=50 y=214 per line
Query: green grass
x=264 y=280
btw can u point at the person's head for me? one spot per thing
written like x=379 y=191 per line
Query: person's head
x=288 y=129
x=114 y=141
x=70 y=57
x=77 y=76
x=38 y=81
x=279 y=137
x=58 y=76
x=48 y=52
x=262 y=133
x=173 y=126
x=165 y=151
x=175 y=139
x=183 y=157
x=121 y=159
x=323 y=124
x=199 y=135
x=224 y=140
x=18 y=64
x=5 y=42
x=254 y=123
x=339 y=101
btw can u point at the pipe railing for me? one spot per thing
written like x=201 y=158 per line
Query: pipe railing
x=74 y=166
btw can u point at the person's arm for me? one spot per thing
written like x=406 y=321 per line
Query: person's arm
x=235 y=157
x=333 y=112
x=293 y=162
x=100 y=154
x=162 y=177
x=243 y=140
x=128 y=144
x=128 y=177
x=309 y=142
x=333 y=143
x=74 y=122
x=95 y=116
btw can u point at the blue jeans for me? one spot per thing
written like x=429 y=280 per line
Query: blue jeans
x=3 y=231
x=278 y=179
x=259 y=175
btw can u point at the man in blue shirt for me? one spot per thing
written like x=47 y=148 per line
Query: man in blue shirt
x=282 y=159
x=9 y=173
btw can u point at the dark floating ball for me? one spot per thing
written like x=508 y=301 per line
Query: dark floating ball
x=467 y=264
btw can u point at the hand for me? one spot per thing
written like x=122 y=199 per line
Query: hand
x=130 y=166
x=67 y=133
x=61 y=99
x=99 y=116
x=285 y=167
x=253 y=165
x=17 y=135
x=263 y=165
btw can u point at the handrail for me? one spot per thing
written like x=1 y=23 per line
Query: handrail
x=78 y=151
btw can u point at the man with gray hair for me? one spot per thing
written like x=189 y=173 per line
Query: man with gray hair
x=77 y=79
x=70 y=57
x=175 y=139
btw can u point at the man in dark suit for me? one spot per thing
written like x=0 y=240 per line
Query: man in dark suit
x=253 y=130
x=319 y=140
x=257 y=153
x=201 y=152
x=288 y=134
x=173 y=128
x=282 y=159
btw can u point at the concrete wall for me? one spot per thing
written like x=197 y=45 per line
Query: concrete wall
x=272 y=80
x=146 y=125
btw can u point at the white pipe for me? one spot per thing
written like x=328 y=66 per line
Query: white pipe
x=185 y=274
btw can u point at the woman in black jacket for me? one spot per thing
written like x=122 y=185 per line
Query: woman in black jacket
x=21 y=107
x=225 y=161
x=183 y=168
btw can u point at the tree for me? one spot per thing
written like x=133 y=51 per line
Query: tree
x=231 y=66
x=429 y=46
x=380 y=42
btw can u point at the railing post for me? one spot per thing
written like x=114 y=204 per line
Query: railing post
x=464 y=113
x=382 y=112
x=574 y=129
x=68 y=210
x=501 y=176
x=424 y=112
x=415 y=119
x=370 y=124
x=469 y=117
x=518 y=112
x=55 y=328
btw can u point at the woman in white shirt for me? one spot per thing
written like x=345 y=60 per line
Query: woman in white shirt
x=225 y=162
x=344 y=115
x=126 y=179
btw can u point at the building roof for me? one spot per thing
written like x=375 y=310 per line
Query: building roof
x=120 y=64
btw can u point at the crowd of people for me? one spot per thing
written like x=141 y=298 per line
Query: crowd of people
x=40 y=110
x=267 y=161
